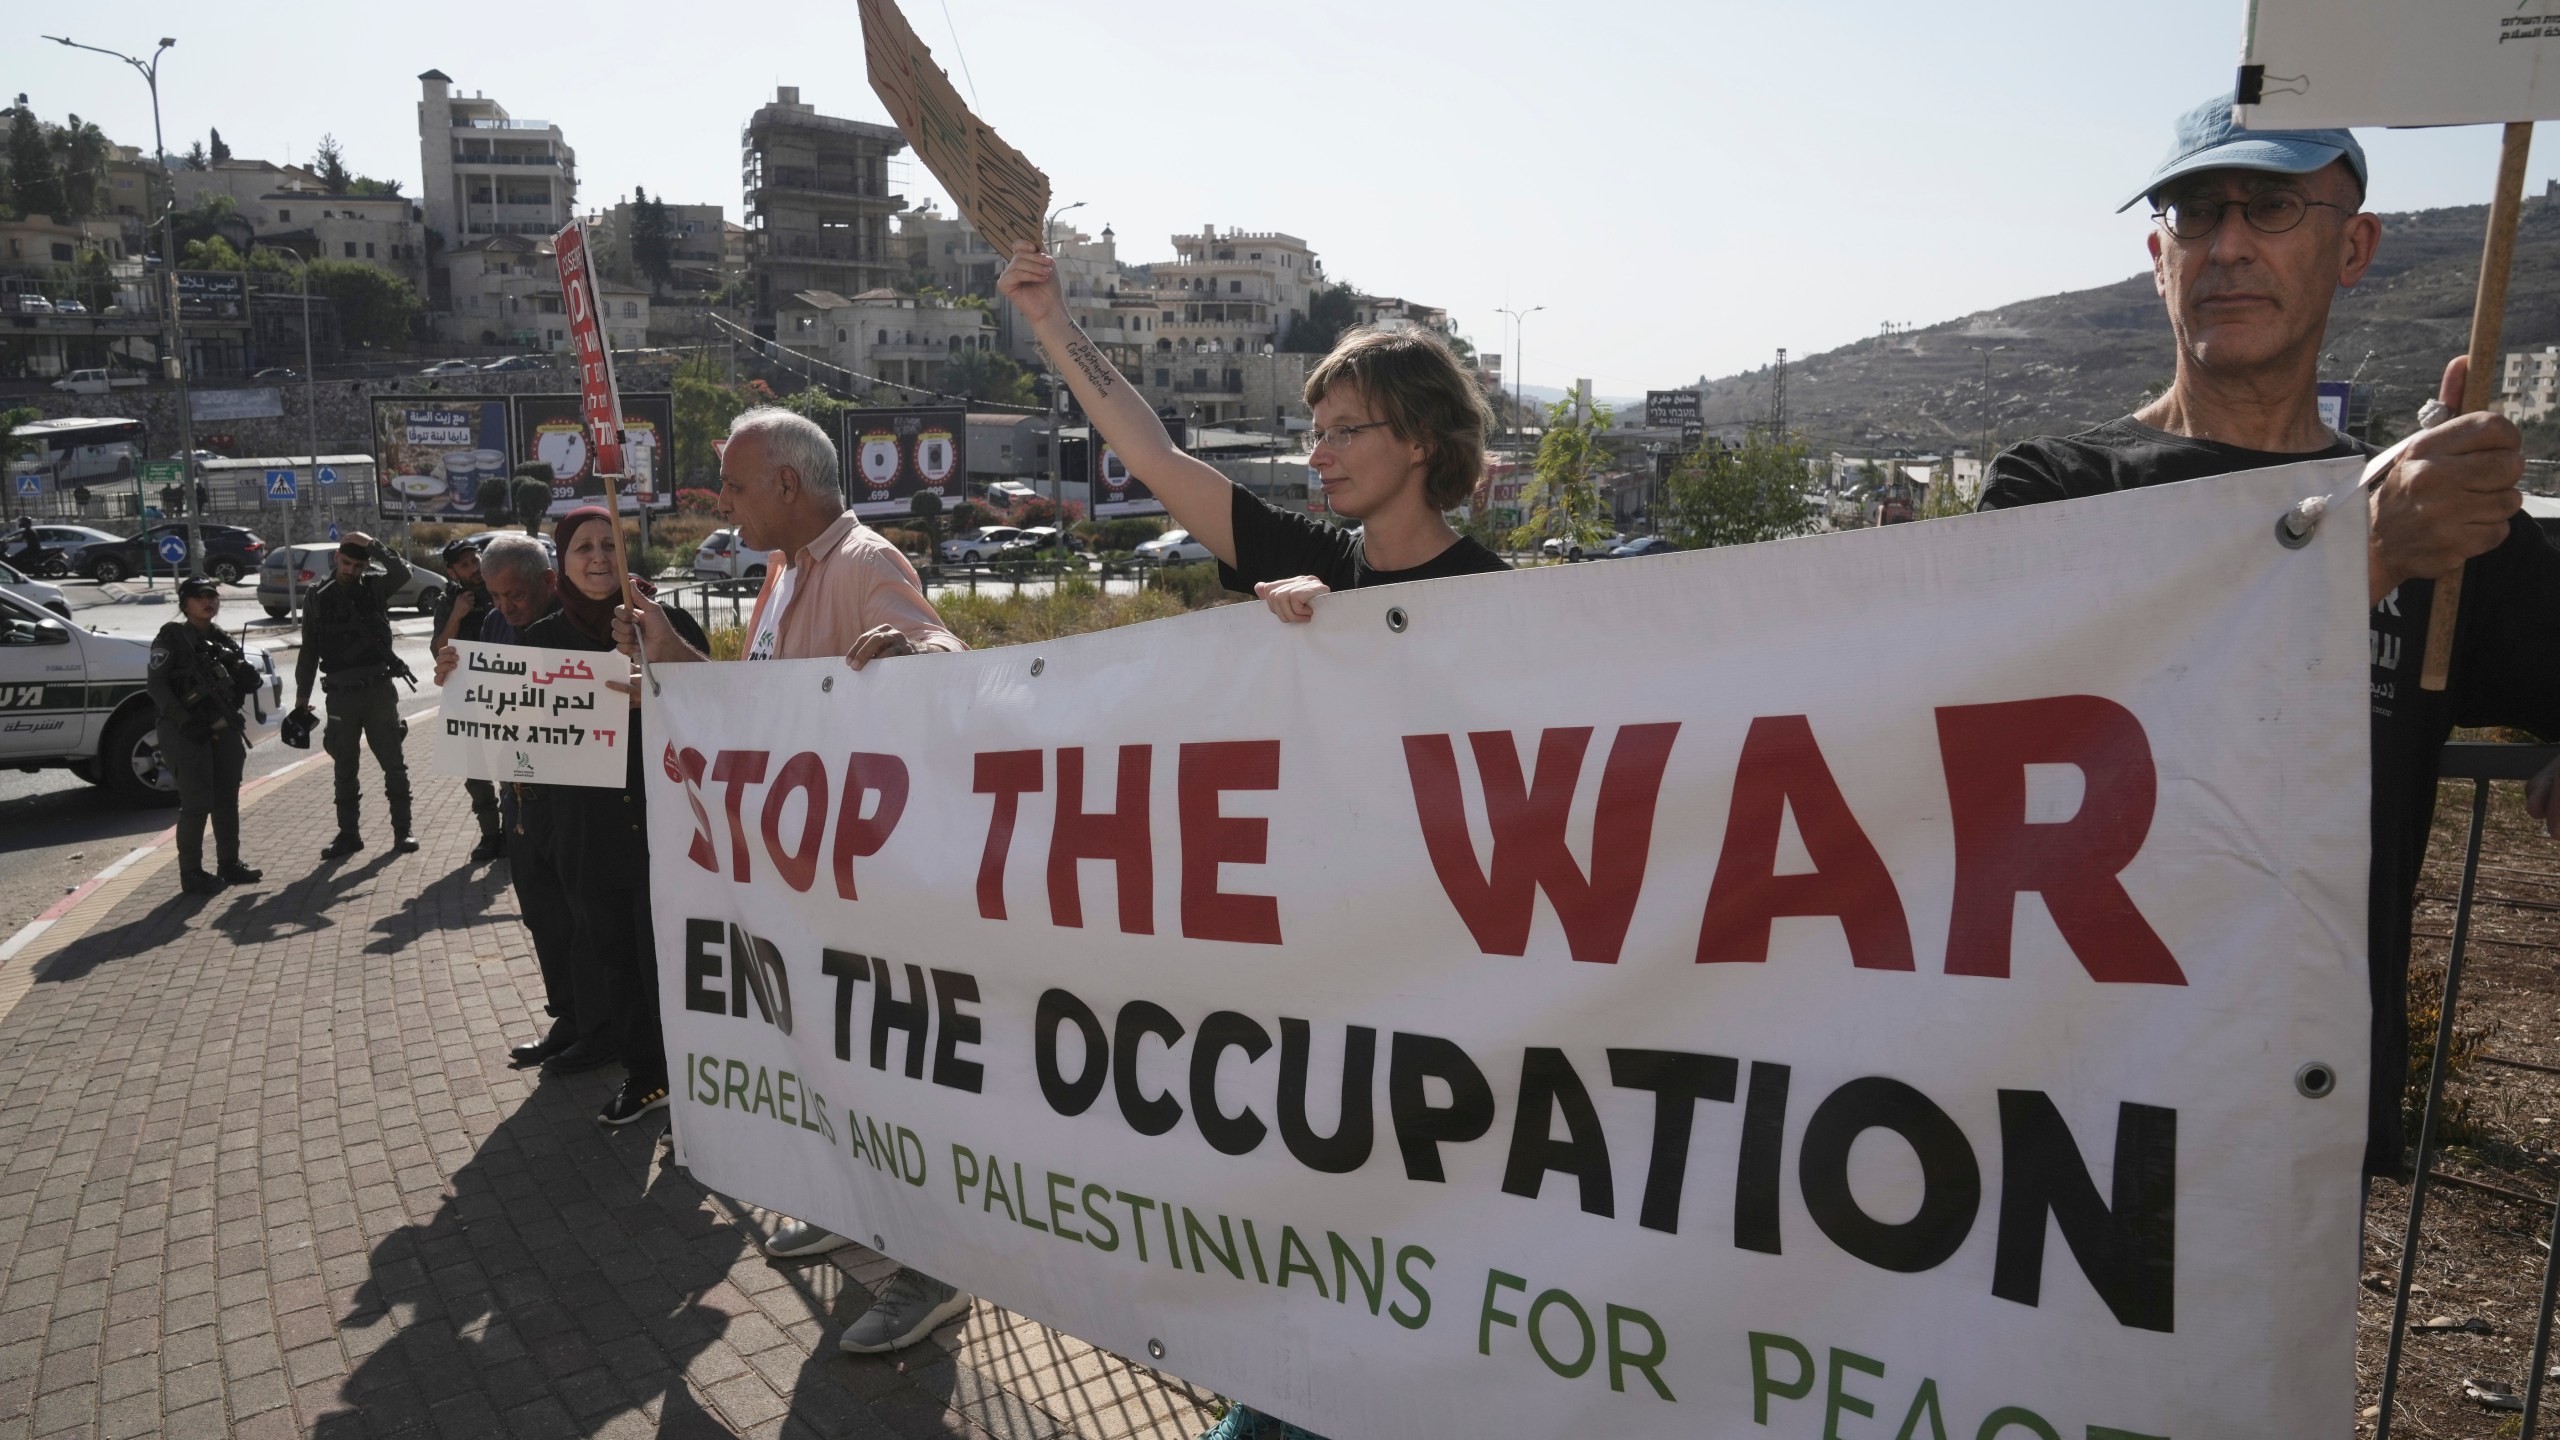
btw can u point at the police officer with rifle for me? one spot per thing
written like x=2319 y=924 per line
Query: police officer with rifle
x=346 y=639
x=198 y=677
x=459 y=616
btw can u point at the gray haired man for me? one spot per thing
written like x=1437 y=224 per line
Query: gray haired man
x=833 y=586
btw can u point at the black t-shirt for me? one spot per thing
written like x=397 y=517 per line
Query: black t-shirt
x=1276 y=544
x=2505 y=671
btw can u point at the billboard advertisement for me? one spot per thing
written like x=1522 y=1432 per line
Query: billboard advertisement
x=440 y=454
x=1670 y=409
x=212 y=295
x=891 y=456
x=552 y=429
x=1111 y=490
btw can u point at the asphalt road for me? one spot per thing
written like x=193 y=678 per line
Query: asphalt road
x=57 y=830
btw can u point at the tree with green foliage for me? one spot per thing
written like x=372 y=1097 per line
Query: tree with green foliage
x=367 y=187
x=195 y=158
x=817 y=405
x=329 y=162
x=1721 y=495
x=1562 y=500
x=530 y=491
x=220 y=152
x=1329 y=313
x=653 y=239
x=374 y=306
x=80 y=152
x=927 y=508
x=35 y=185
x=989 y=375
x=704 y=407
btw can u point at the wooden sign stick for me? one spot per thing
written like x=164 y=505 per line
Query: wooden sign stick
x=2488 y=318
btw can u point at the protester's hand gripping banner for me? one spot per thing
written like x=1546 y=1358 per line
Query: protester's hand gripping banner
x=520 y=712
x=1906 y=982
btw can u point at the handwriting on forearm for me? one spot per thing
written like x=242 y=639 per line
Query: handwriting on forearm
x=1089 y=360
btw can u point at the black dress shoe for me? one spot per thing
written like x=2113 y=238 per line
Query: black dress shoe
x=584 y=1056
x=491 y=847
x=342 y=847
x=197 y=882
x=534 y=1052
x=404 y=845
x=236 y=873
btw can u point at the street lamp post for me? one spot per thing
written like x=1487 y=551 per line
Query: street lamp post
x=1520 y=372
x=1985 y=351
x=1058 y=407
x=174 y=362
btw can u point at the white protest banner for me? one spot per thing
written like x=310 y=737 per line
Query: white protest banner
x=1912 y=973
x=520 y=712
x=2313 y=64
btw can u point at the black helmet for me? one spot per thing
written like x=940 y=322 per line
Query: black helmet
x=296 y=729
x=456 y=549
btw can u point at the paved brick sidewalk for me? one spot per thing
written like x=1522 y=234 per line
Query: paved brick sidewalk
x=264 y=1171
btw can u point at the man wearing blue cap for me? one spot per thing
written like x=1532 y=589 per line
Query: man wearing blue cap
x=2255 y=233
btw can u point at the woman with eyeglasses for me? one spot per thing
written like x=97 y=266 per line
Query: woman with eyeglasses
x=1399 y=438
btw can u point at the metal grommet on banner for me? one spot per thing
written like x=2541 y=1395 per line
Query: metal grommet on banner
x=1155 y=1348
x=827 y=683
x=2295 y=526
x=2315 y=1081
x=1397 y=620
x=1038 y=664
x=879 y=1244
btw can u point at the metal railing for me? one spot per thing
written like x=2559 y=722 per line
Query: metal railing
x=2480 y=763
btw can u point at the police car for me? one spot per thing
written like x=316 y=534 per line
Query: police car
x=74 y=698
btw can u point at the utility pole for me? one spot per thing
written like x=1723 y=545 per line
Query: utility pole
x=174 y=362
x=1778 y=399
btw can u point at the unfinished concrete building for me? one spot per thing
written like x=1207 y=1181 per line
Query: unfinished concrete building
x=818 y=203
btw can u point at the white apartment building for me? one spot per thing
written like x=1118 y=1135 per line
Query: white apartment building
x=882 y=333
x=288 y=208
x=487 y=173
x=1394 y=315
x=2529 y=387
x=1233 y=293
x=506 y=291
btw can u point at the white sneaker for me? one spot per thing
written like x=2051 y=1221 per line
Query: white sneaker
x=798 y=1239
x=911 y=1306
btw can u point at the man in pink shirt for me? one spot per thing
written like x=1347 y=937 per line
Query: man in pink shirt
x=833 y=586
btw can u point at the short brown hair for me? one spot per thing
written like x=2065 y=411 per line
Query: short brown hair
x=1425 y=396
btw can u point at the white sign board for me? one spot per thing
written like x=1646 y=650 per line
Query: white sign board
x=519 y=712
x=2318 y=64
x=1765 y=1006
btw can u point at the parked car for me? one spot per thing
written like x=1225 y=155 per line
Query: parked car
x=31 y=305
x=231 y=553
x=515 y=362
x=449 y=367
x=275 y=373
x=1561 y=549
x=1038 y=538
x=723 y=557
x=985 y=543
x=1642 y=545
x=480 y=542
x=1173 y=547
x=17 y=582
x=312 y=564
x=62 y=545
x=68 y=306
x=76 y=700
x=95 y=381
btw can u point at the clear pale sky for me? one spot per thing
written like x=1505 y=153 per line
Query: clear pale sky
x=1683 y=187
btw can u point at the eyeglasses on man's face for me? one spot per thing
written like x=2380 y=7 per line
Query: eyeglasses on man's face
x=2269 y=212
x=1337 y=436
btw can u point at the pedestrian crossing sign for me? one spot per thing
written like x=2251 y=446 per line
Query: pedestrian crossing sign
x=281 y=484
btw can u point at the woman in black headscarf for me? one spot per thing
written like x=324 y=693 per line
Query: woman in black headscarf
x=604 y=844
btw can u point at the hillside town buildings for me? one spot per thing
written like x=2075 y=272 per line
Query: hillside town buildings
x=486 y=172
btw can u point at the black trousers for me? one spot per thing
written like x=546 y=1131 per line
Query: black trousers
x=208 y=776
x=543 y=896
x=617 y=969
x=484 y=805
x=367 y=715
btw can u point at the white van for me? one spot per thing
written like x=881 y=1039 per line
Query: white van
x=96 y=382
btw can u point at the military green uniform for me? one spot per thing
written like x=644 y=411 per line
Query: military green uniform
x=346 y=637
x=196 y=680
x=484 y=795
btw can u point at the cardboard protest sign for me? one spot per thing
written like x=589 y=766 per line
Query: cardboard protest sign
x=1765 y=1006
x=1000 y=192
x=2313 y=64
x=520 y=712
